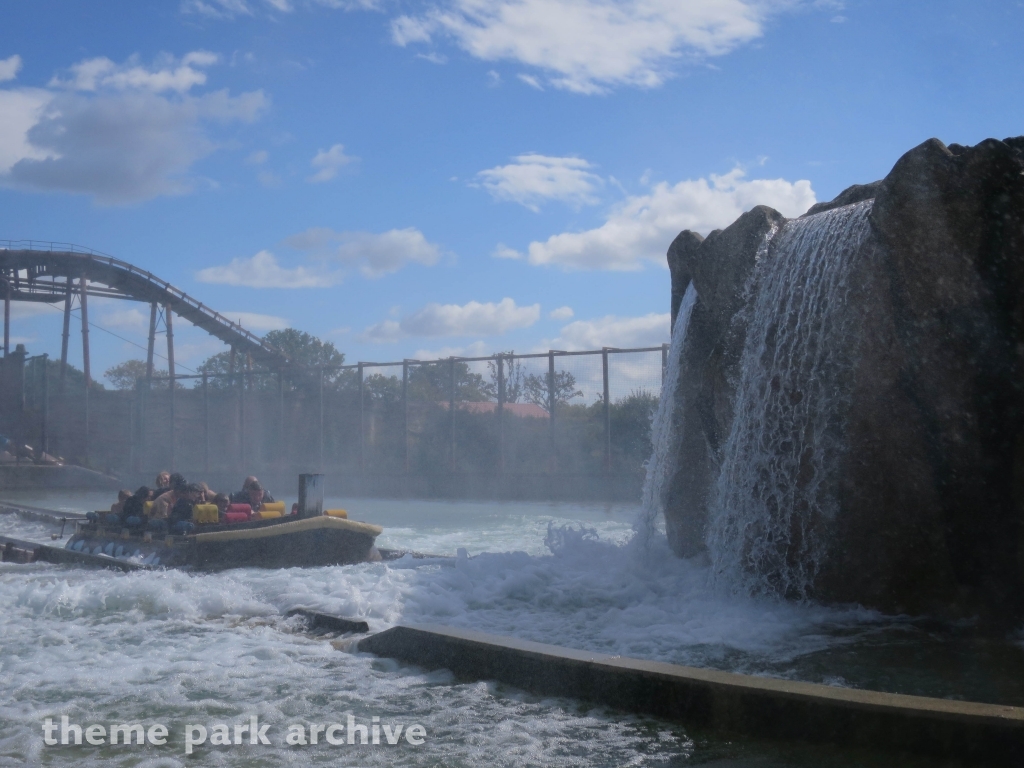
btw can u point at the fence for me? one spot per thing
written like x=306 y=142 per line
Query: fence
x=548 y=425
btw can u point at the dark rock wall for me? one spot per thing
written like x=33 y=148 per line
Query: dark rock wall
x=932 y=485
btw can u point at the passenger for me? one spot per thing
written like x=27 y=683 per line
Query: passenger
x=133 y=513
x=117 y=508
x=163 y=483
x=252 y=493
x=295 y=508
x=164 y=503
x=207 y=494
x=222 y=502
x=179 y=520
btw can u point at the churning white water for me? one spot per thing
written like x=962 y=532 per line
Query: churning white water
x=664 y=430
x=774 y=499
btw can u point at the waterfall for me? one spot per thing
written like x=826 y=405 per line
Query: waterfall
x=664 y=436
x=774 y=501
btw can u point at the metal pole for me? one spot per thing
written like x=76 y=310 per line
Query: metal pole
x=141 y=395
x=607 y=413
x=152 y=344
x=168 y=316
x=84 y=304
x=7 y=321
x=282 y=452
x=405 y=415
x=501 y=413
x=67 y=334
x=451 y=409
x=241 y=421
x=206 y=422
x=321 y=420
x=362 y=421
x=664 y=362
x=45 y=436
x=231 y=368
x=551 y=397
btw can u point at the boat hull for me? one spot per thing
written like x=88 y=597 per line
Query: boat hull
x=282 y=543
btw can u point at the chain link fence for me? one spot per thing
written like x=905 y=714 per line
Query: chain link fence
x=547 y=425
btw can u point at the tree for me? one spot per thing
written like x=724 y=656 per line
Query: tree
x=303 y=348
x=536 y=388
x=631 y=419
x=124 y=375
x=512 y=373
x=433 y=382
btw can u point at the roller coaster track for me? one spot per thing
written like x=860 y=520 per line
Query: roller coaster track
x=31 y=270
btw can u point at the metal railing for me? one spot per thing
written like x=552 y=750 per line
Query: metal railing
x=93 y=256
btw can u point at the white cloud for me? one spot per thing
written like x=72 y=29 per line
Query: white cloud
x=476 y=349
x=120 y=133
x=230 y=9
x=588 y=46
x=374 y=254
x=328 y=162
x=9 y=67
x=642 y=227
x=530 y=80
x=471 y=319
x=433 y=57
x=493 y=78
x=533 y=179
x=130 y=319
x=502 y=251
x=562 y=313
x=257 y=158
x=20 y=110
x=253 y=321
x=169 y=74
x=263 y=271
x=385 y=331
x=611 y=331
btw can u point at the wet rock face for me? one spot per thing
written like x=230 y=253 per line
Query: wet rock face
x=931 y=492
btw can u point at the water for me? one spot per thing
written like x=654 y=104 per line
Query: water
x=774 y=499
x=664 y=432
x=168 y=646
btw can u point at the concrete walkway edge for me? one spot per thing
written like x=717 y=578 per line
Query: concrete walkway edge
x=761 y=707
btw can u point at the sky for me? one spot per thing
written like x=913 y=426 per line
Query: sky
x=457 y=177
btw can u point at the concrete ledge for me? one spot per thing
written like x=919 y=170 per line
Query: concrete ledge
x=31 y=477
x=720 y=701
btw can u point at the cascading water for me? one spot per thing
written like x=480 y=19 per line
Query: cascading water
x=664 y=432
x=774 y=499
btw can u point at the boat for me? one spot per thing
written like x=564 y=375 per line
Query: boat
x=310 y=539
x=276 y=543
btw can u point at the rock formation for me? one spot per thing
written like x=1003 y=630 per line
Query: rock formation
x=928 y=490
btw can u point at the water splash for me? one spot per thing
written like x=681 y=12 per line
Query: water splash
x=774 y=500
x=664 y=433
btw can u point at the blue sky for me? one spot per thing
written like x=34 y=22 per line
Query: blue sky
x=409 y=179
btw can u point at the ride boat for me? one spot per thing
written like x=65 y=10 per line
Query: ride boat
x=310 y=538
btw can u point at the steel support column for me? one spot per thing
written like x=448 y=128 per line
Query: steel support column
x=83 y=301
x=67 y=333
x=152 y=344
x=169 y=324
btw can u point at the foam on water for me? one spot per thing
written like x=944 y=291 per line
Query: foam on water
x=168 y=646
